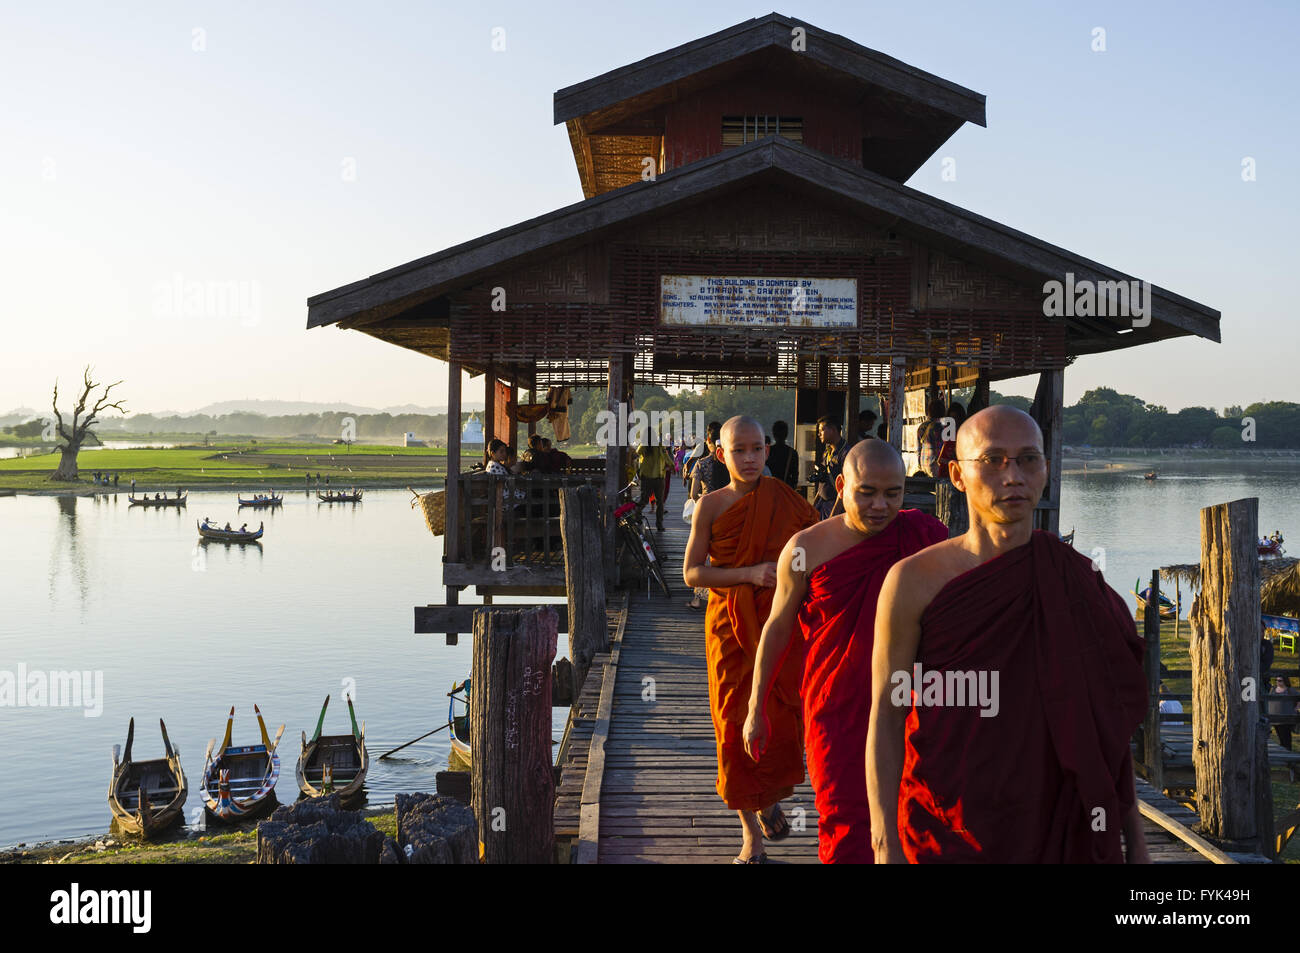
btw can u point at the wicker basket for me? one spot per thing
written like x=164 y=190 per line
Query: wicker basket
x=434 y=505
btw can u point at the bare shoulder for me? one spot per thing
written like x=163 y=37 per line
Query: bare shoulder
x=814 y=543
x=914 y=581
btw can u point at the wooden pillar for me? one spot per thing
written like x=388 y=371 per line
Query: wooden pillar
x=823 y=382
x=950 y=508
x=897 y=388
x=613 y=399
x=980 y=399
x=1150 y=751
x=512 y=784
x=584 y=579
x=853 y=399
x=1049 y=411
x=513 y=410
x=1226 y=688
x=451 y=538
x=489 y=405
x=532 y=399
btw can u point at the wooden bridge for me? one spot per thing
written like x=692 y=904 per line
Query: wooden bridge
x=639 y=763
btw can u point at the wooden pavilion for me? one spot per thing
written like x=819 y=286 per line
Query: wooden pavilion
x=745 y=221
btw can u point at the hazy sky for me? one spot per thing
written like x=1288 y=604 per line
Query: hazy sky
x=275 y=151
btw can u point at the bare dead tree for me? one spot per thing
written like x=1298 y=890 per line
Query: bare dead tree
x=72 y=435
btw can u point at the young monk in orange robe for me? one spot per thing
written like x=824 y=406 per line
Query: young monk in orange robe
x=741 y=529
x=828 y=579
x=1007 y=678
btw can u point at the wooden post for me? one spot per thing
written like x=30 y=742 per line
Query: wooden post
x=532 y=399
x=1048 y=408
x=852 y=400
x=1151 y=755
x=513 y=786
x=584 y=579
x=1226 y=687
x=613 y=400
x=489 y=405
x=897 y=389
x=451 y=538
x=950 y=508
x=513 y=410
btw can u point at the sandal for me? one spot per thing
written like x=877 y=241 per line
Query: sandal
x=756 y=859
x=777 y=829
x=693 y=607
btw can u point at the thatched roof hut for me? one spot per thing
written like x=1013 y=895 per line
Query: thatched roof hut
x=1280 y=593
x=1279 y=579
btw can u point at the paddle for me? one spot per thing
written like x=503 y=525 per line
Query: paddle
x=409 y=743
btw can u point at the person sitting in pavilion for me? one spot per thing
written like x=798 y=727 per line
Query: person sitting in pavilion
x=828 y=579
x=741 y=528
x=1007 y=680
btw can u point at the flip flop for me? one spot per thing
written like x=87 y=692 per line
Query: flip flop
x=777 y=829
x=693 y=608
x=756 y=859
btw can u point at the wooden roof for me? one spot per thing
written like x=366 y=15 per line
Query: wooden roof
x=406 y=305
x=614 y=117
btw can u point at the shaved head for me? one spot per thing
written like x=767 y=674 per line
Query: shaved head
x=742 y=450
x=739 y=424
x=1004 y=493
x=873 y=454
x=872 y=485
x=1000 y=427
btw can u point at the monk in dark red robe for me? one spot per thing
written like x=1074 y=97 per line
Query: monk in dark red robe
x=741 y=529
x=828 y=579
x=1007 y=678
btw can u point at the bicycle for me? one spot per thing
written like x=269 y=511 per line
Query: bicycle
x=634 y=536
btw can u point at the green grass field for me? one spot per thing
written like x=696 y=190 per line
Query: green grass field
x=1176 y=655
x=278 y=464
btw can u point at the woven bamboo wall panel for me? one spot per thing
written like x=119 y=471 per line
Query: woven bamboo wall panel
x=961 y=284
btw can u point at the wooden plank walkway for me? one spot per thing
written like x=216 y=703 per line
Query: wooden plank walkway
x=650 y=796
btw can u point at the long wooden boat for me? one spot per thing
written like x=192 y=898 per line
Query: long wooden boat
x=1271 y=546
x=239 y=783
x=339 y=497
x=1150 y=475
x=1168 y=611
x=263 y=501
x=461 y=754
x=230 y=536
x=179 y=500
x=147 y=797
x=334 y=764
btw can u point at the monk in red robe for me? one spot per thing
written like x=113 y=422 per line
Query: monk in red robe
x=1007 y=678
x=741 y=529
x=828 y=579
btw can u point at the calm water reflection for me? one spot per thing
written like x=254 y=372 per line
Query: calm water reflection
x=183 y=631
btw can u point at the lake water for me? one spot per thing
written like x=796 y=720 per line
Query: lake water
x=183 y=632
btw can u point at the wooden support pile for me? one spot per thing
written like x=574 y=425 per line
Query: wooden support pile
x=1233 y=790
x=513 y=786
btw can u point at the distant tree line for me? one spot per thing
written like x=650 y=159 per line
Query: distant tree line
x=1103 y=417
x=1106 y=418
